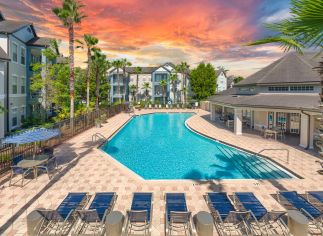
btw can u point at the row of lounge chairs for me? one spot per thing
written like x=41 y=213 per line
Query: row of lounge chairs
x=242 y=213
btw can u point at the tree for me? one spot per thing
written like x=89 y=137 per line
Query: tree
x=237 y=79
x=163 y=85
x=183 y=68
x=118 y=64
x=99 y=68
x=133 y=90
x=173 y=79
x=70 y=13
x=203 y=81
x=138 y=71
x=89 y=42
x=146 y=87
x=125 y=63
x=41 y=86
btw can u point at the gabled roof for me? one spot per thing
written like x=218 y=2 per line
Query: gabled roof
x=11 y=26
x=37 y=41
x=3 y=55
x=292 y=68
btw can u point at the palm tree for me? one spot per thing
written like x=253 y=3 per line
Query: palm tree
x=133 y=90
x=173 y=79
x=146 y=87
x=138 y=71
x=125 y=63
x=163 y=85
x=99 y=68
x=89 y=42
x=70 y=14
x=118 y=64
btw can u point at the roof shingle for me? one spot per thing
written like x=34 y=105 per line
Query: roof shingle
x=11 y=26
x=292 y=68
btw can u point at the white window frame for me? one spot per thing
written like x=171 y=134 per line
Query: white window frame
x=24 y=80
x=21 y=49
x=14 y=76
x=22 y=112
x=13 y=43
x=14 y=111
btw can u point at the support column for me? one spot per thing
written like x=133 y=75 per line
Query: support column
x=312 y=128
x=237 y=121
x=304 y=131
x=212 y=112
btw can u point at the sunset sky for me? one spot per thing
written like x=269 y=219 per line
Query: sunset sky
x=150 y=32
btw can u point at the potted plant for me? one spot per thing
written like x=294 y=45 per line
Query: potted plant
x=103 y=118
x=97 y=122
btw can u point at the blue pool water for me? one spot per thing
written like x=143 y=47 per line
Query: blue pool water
x=160 y=146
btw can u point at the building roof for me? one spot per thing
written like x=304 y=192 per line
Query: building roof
x=37 y=41
x=3 y=55
x=292 y=68
x=282 y=101
x=11 y=26
x=144 y=70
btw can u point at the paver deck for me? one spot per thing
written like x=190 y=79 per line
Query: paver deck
x=83 y=167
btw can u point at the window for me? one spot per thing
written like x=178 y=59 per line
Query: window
x=160 y=77
x=302 y=88
x=23 y=56
x=14 y=84
x=278 y=88
x=14 y=52
x=22 y=114
x=23 y=86
x=14 y=121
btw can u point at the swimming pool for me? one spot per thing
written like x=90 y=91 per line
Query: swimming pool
x=160 y=146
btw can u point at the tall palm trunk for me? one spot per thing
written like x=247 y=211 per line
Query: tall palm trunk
x=97 y=88
x=88 y=79
x=174 y=91
x=71 y=63
x=137 y=88
x=185 y=89
x=124 y=83
x=118 y=81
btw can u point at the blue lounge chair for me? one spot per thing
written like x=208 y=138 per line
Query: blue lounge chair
x=140 y=214
x=318 y=195
x=60 y=221
x=226 y=219
x=263 y=222
x=93 y=219
x=177 y=216
x=292 y=200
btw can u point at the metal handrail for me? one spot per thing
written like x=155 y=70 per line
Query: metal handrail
x=97 y=135
x=276 y=149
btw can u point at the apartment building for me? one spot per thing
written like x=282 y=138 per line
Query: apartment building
x=22 y=47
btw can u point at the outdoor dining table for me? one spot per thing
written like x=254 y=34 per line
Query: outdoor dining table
x=273 y=131
x=33 y=163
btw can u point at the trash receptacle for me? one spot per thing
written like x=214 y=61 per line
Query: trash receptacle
x=114 y=223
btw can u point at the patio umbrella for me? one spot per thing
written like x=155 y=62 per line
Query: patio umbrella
x=32 y=136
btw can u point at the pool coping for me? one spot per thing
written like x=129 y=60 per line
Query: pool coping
x=133 y=173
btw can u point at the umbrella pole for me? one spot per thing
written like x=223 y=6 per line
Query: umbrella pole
x=34 y=154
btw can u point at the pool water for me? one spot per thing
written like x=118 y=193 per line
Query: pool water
x=160 y=146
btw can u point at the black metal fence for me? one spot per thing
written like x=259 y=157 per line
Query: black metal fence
x=68 y=130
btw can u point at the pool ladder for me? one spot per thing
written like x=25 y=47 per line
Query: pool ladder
x=98 y=136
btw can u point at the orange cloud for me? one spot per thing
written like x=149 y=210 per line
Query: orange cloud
x=150 y=31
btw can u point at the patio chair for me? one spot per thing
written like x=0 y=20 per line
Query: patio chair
x=48 y=151
x=292 y=200
x=262 y=222
x=15 y=170
x=92 y=220
x=226 y=219
x=321 y=164
x=61 y=220
x=140 y=215
x=177 y=216
x=49 y=166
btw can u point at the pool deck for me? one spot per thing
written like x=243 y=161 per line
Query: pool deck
x=83 y=167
